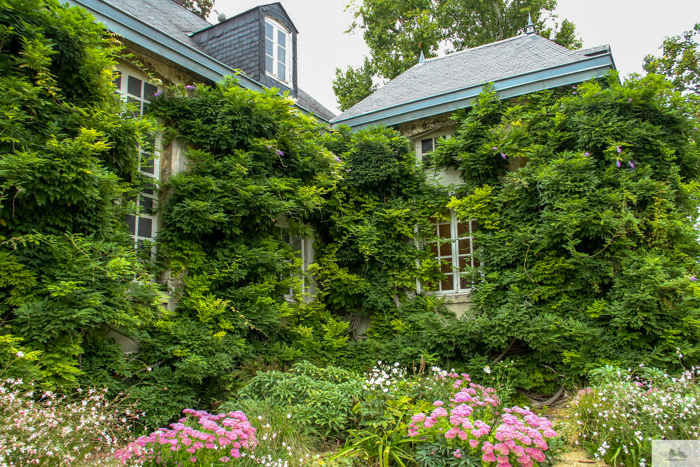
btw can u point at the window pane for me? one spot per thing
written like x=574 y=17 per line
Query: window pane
x=446 y=249
x=148 y=188
x=426 y=145
x=281 y=72
x=464 y=261
x=465 y=246
x=462 y=229
x=134 y=86
x=131 y=224
x=269 y=47
x=281 y=39
x=268 y=64
x=136 y=102
x=475 y=226
x=464 y=283
x=447 y=283
x=146 y=205
x=269 y=31
x=281 y=55
x=148 y=91
x=118 y=80
x=147 y=165
x=444 y=231
x=145 y=227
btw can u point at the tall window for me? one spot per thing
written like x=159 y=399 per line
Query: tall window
x=136 y=90
x=299 y=245
x=455 y=250
x=278 y=51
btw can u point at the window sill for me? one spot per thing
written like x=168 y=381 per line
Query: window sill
x=285 y=83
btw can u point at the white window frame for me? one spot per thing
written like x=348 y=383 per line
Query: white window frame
x=291 y=240
x=454 y=257
x=276 y=29
x=142 y=101
x=419 y=144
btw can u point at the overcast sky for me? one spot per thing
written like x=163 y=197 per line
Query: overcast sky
x=634 y=28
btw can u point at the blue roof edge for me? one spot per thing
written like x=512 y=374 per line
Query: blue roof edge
x=144 y=35
x=546 y=78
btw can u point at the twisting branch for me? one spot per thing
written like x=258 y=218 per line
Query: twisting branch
x=500 y=357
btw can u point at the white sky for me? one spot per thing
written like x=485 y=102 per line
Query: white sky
x=633 y=28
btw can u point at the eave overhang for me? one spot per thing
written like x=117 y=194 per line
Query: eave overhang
x=144 y=35
x=571 y=73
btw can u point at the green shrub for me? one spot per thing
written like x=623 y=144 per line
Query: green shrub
x=321 y=398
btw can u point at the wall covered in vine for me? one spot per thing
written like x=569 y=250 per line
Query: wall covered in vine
x=590 y=251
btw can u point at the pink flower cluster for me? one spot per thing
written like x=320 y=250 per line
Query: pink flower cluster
x=520 y=437
x=212 y=437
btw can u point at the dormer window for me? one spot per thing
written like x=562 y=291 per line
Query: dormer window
x=278 y=51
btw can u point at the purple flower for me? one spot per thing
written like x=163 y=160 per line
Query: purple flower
x=337 y=159
x=630 y=99
x=189 y=87
x=269 y=147
x=619 y=150
x=695 y=128
x=503 y=156
x=280 y=153
x=348 y=170
x=631 y=164
x=586 y=155
x=574 y=92
x=575 y=87
x=495 y=148
x=158 y=94
x=618 y=163
x=693 y=279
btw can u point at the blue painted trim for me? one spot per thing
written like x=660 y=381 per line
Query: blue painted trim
x=548 y=78
x=132 y=28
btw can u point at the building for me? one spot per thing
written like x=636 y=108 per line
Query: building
x=175 y=46
x=420 y=102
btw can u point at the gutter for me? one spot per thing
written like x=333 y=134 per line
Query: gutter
x=547 y=78
x=141 y=33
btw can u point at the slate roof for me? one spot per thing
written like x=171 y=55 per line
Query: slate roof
x=165 y=16
x=468 y=68
x=309 y=103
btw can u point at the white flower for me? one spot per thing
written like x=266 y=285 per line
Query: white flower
x=20 y=354
x=487 y=370
x=289 y=415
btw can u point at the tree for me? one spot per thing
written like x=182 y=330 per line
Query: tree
x=397 y=31
x=201 y=8
x=354 y=85
x=679 y=62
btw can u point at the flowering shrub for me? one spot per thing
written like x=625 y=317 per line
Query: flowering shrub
x=198 y=437
x=617 y=419
x=473 y=424
x=50 y=429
